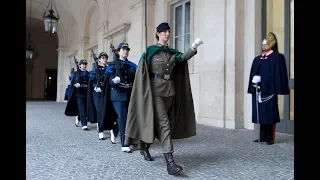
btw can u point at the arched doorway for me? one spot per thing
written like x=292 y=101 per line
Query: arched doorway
x=41 y=76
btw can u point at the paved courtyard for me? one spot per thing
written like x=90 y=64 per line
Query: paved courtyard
x=57 y=150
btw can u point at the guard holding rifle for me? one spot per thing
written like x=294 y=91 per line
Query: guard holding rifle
x=97 y=76
x=77 y=101
x=117 y=90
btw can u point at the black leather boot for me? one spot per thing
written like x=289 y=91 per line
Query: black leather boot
x=262 y=134
x=146 y=155
x=269 y=135
x=270 y=142
x=172 y=168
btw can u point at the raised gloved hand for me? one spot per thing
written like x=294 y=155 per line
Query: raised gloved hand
x=77 y=85
x=196 y=43
x=97 y=89
x=116 y=80
x=256 y=79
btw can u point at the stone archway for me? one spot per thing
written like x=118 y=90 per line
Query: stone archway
x=62 y=49
x=42 y=71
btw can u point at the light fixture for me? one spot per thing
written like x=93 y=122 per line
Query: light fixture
x=29 y=53
x=31 y=50
x=50 y=20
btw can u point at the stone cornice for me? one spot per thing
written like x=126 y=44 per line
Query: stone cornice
x=75 y=52
x=83 y=40
x=91 y=46
x=62 y=49
x=123 y=28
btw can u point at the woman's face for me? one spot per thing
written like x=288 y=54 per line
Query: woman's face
x=164 y=36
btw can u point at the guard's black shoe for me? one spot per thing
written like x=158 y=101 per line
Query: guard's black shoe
x=270 y=142
x=146 y=155
x=172 y=167
x=260 y=140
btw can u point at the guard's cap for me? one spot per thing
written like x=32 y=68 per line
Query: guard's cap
x=83 y=61
x=163 y=27
x=103 y=54
x=123 y=45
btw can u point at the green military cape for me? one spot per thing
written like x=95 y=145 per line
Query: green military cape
x=140 y=126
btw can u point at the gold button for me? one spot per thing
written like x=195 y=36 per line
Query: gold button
x=167 y=64
x=167 y=69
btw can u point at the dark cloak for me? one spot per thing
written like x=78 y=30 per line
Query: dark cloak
x=72 y=106
x=108 y=115
x=91 y=108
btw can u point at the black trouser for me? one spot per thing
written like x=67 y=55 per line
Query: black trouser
x=121 y=109
x=82 y=107
x=97 y=100
x=266 y=132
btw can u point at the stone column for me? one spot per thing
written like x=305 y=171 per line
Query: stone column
x=233 y=71
x=211 y=67
x=136 y=35
x=252 y=47
x=62 y=71
x=83 y=42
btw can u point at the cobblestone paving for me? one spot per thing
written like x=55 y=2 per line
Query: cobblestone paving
x=57 y=150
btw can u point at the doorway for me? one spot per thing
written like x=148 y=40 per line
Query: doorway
x=278 y=17
x=50 y=85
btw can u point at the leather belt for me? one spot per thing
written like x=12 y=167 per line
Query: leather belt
x=124 y=85
x=160 y=76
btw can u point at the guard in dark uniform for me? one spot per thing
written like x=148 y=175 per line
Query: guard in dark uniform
x=268 y=78
x=79 y=84
x=69 y=86
x=120 y=81
x=67 y=92
x=97 y=76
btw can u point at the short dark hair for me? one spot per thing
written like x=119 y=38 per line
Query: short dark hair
x=157 y=37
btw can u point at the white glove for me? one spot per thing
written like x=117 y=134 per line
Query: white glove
x=116 y=80
x=196 y=43
x=76 y=85
x=256 y=79
x=97 y=89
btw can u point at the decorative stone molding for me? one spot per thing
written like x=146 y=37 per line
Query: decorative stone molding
x=84 y=39
x=141 y=3
x=75 y=52
x=62 y=49
x=103 y=26
x=92 y=46
x=123 y=28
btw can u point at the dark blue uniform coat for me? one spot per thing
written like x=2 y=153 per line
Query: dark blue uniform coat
x=274 y=80
x=108 y=114
x=72 y=107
